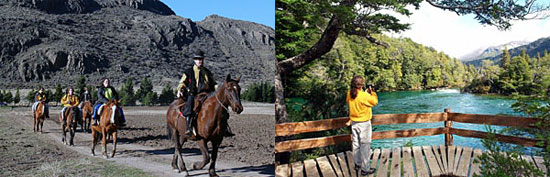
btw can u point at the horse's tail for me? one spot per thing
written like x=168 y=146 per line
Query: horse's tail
x=168 y=131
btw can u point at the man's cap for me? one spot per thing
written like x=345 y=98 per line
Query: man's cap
x=198 y=55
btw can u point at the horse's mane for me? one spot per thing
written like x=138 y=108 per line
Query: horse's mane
x=112 y=101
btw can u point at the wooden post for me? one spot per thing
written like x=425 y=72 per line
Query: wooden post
x=448 y=125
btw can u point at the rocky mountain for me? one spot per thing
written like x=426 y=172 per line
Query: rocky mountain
x=532 y=49
x=50 y=42
x=492 y=51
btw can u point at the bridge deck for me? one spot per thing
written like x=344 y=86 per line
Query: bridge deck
x=398 y=161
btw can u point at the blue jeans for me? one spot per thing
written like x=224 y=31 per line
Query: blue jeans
x=96 y=108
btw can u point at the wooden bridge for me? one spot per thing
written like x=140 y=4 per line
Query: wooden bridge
x=435 y=160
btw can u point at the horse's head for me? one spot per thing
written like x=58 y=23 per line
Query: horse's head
x=232 y=93
x=113 y=110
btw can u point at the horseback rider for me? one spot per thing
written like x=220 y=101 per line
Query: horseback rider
x=195 y=80
x=105 y=92
x=86 y=96
x=68 y=100
x=41 y=96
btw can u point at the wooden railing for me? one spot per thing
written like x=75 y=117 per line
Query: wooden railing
x=447 y=117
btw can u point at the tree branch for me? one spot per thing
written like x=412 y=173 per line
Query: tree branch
x=323 y=46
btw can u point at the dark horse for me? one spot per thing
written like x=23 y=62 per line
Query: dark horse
x=39 y=115
x=211 y=124
x=87 y=111
x=109 y=119
x=72 y=118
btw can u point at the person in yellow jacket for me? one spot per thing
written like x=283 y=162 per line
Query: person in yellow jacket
x=68 y=100
x=41 y=96
x=360 y=112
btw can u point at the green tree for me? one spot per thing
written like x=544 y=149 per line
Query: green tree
x=80 y=84
x=93 y=92
x=57 y=95
x=30 y=96
x=145 y=87
x=17 y=97
x=150 y=99
x=7 y=96
x=127 y=93
x=167 y=95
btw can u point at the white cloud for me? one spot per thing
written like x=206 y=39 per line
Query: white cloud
x=461 y=35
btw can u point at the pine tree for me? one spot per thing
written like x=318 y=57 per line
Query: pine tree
x=8 y=97
x=30 y=96
x=57 y=95
x=167 y=95
x=17 y=97
x=127 y=93
x=505 y=58
x=145 y=87
x=80 y=84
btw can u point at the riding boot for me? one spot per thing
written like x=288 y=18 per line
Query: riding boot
x=188 y=130
x=228 y=132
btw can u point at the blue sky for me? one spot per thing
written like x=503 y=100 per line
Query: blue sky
x=259 y=11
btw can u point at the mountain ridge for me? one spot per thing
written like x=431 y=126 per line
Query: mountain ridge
x=121 y=39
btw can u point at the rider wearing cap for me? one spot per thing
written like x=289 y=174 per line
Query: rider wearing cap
x=41 y=96
x=195 y=80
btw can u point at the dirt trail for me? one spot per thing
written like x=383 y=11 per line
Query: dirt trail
x=156 y=159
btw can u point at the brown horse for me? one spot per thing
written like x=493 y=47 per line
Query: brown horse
x=108 y=121
x=39 y=116
x=211 y=124
x=87 y=111
x=72 y=117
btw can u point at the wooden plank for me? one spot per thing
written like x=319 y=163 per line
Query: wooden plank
x=293 y=128
x=503 y=138
x=408 y=170
x=444 y=157
x=375 y=157
x=510 y=121
x=395 y=167
x=294 y=145
x=382 y=170
x=384 y=119
x=351 y=164
x=325 y=167
x=334 y=161
x=311 y=168
x=408 y=133
x=435 y=170
x=438 y=157
x=540 y=164
x=343 y=164
x=451 y=150
x=297 y=169
x=421 y=167
x=463 y=164
x=457 y=158
x=475 y=169
x=282 y=170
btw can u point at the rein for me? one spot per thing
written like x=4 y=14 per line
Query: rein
x=223 y=106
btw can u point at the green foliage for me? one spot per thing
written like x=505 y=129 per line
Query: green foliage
x=17 y=97
x=30 y=96
x=50 y=96
x=260 y=92
x=518 y=75
x=126 y=93
x=539 y=109
x=80 y=84
x=150 y=99
x=7 y=97
x=496 y=162
x=167 y=95
x=93 y=92
x=57 y=95
x=145 y=87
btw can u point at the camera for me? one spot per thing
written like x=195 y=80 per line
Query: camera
x=369 y=85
